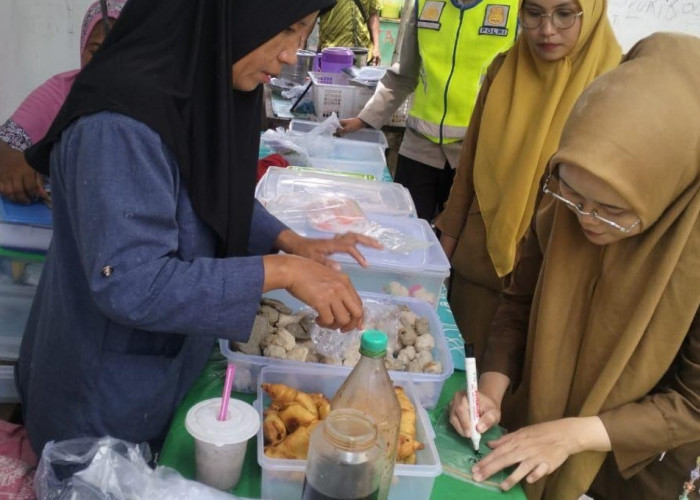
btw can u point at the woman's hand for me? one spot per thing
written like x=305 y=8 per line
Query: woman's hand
x=18 y=181
x=376 y=58
x=351 y=125
x=327 y=291
x=320 y=249
x=459 y=414
x=541 y=449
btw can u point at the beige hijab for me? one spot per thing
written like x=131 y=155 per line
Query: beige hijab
x=524 y=114
x=607 y=321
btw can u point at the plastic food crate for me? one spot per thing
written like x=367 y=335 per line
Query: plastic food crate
x=344 y=155
x=428 y=386
x=387 y=198
x=283 y=479
x=333 y=93
x=371 y=135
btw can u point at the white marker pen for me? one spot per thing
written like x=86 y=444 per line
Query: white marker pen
x=472 y=400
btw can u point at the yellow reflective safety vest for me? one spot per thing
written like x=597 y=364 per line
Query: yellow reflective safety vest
x=456 y=44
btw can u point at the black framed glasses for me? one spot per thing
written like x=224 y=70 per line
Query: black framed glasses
x=551 y=187
x=561 y=19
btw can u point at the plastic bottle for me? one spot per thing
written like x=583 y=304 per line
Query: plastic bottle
x=345 y=459
x=369 y=389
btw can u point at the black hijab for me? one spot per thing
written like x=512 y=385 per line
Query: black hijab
x=167 y=64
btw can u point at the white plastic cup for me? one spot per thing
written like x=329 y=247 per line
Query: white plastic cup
x=220 y=445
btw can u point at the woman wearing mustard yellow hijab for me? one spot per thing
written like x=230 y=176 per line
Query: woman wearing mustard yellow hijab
x=608 y=279
x=525 y=99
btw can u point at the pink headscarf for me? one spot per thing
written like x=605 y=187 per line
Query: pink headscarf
x=38 y=110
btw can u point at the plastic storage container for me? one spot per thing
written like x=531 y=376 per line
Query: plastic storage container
x=427 y=385
x=8 y=390
x=17 y=288
x=333 y=92
x=371 y=135
x=344 y=155
x=283 y=479
x=383 y=198
x=419 y=273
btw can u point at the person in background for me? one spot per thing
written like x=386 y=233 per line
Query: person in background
x=159 y=246
x=599 y=329
x=522 y=105
x=32 y=119
x=446 y=47
x=352 y=23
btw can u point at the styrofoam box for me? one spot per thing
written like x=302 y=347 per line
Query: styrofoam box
x=8 y=390
x=428 y=267
x=427 y=385
x=384 y=198
x=371 y=135
x=344 y=155
x=333 y=93
x=15 y=302
x=283 y=479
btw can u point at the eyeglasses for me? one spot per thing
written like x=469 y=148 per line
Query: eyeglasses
x=560 y=18
x=578 y=207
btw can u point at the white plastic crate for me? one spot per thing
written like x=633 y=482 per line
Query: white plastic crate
x=283 y=479
x=333 y=93
x=428 y=386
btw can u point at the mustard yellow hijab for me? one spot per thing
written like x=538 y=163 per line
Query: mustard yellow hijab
x=608 y=321
x=524 y=113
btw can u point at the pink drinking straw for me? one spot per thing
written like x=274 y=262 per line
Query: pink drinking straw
x=228 y=383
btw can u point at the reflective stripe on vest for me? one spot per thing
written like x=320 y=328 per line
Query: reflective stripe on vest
x=456 y=44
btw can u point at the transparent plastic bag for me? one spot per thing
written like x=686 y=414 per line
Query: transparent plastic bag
x=379 y=315
x=338 y=214
x=110 y=469
x=298 y=147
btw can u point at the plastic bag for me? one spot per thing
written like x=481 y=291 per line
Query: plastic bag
x=338 y=214
x=298 y=147
x=108 y=468
x=379 y=315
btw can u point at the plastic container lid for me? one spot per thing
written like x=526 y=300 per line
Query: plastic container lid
x=386 y=198
x=202 y=423
x=373 y=343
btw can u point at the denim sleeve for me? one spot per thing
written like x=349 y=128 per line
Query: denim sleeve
x=123 y=185
x=264 y=229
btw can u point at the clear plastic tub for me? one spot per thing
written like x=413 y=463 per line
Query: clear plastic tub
x=344 y=155
x=8 y=390
x=333 y=93
x=384 y=198
x=419 y=273
x=17 y=288
x=371 y=135
x=428 y=386
x=283 y=479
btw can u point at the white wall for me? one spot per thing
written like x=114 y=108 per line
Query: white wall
x=38 y=38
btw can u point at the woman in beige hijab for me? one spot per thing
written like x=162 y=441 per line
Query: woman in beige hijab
x=526 y=96
x=609 y=282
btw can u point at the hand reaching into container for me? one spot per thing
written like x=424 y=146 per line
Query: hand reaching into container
x=320 y=249
x=351 y=125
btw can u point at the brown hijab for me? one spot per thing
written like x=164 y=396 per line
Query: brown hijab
x=614 y=317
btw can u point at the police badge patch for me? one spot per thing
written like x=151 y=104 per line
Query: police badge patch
x=495 y=20
x=430 y=15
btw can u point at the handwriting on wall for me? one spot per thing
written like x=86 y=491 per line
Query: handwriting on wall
x=635 y=19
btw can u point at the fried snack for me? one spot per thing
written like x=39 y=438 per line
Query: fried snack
x=295 y=415
x=407 y=443
x=274 y=429
x=284 y=395
x=295 y=446
x=322 y=404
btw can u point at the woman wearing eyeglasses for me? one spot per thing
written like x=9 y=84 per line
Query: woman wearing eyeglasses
x=599 y=330
x=524 y=100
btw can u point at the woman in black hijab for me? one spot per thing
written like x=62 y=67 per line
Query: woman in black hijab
x=158 y=243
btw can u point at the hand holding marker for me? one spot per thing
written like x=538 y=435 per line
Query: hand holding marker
x=472 y=395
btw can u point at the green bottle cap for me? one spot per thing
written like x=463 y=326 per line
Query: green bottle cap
x=373 y=343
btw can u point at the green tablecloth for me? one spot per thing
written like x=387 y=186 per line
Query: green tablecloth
x=178 y=449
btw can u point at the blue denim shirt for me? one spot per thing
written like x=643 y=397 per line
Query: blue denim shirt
x=130 y=299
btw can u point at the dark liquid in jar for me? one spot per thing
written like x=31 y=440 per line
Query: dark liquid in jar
x=310 y=493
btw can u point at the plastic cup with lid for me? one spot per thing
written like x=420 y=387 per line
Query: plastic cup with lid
x=220 y=445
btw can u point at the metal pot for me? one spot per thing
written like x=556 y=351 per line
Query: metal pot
x=298 y=72
x=361 y=54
